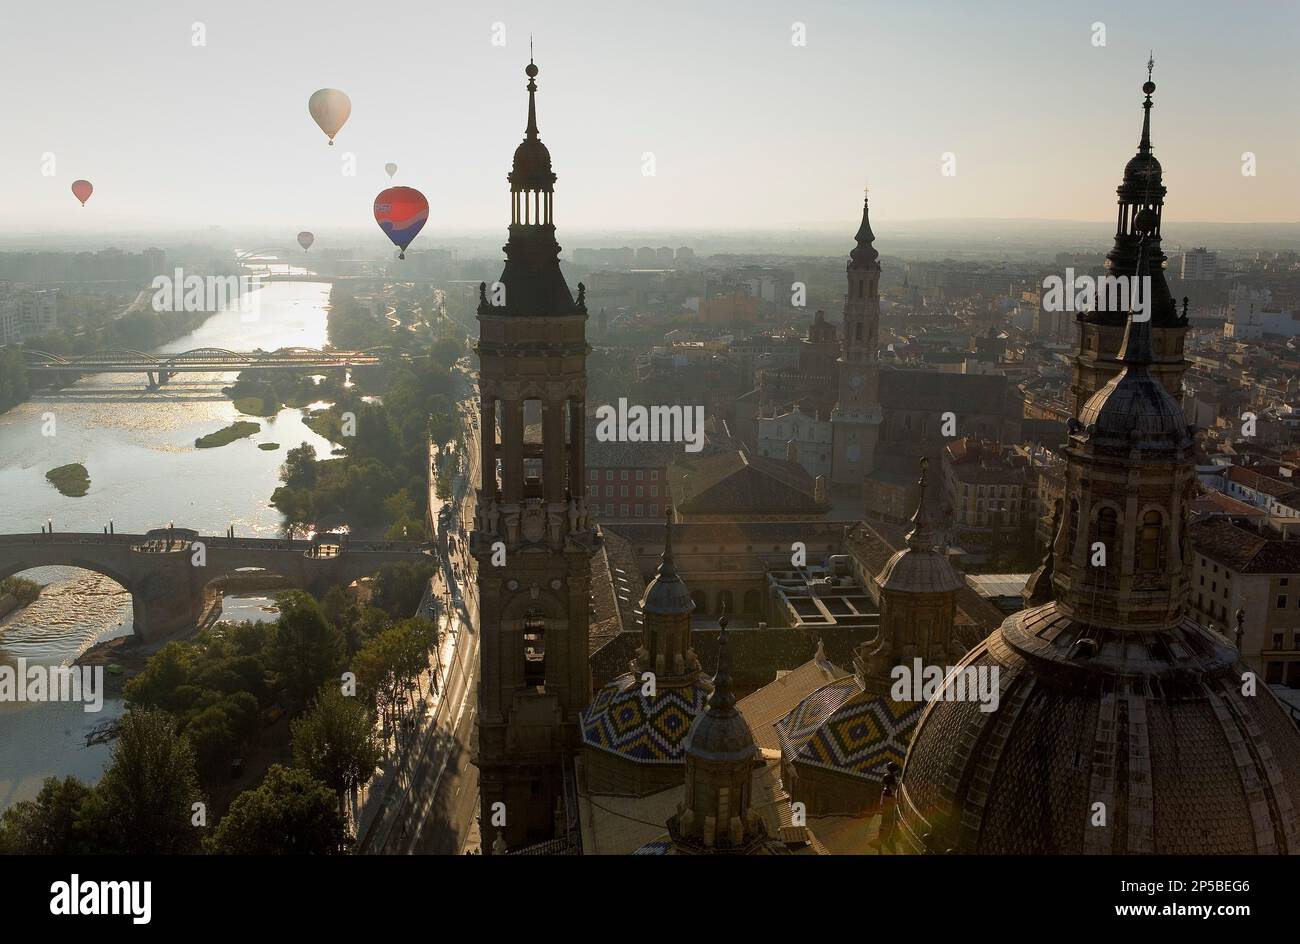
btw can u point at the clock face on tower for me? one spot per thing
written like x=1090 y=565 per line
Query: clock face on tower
x=855 y=381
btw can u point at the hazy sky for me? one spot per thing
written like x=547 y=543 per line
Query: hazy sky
x=747 y=130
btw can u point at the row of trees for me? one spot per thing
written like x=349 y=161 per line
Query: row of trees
x=13 y=377
x=381 y=478
x=149 y=801
x=198 y=704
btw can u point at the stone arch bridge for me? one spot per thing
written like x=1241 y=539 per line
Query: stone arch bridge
x=161 y=568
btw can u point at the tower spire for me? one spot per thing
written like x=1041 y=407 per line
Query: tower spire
x=723 y=700
x=1144 y=145
x=531 y=71
x=921 y=537
x=864 y=255
x=666 y=567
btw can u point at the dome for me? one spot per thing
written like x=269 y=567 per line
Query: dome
x=915 y=570
x=919 y=568
x=1135 y=410
x=532 y=166
x=720 y=733
x=645 y=729
x=667 y=595
x=1152 y=724
x=1142 y=169
x=846 y=728
x=721 y=736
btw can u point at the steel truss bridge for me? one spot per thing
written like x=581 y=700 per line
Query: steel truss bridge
x=162 y=367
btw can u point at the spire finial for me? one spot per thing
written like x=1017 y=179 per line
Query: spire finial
x=1144 y=146
x=530 y=70
x=666 y=561
x=722 y=698
x=1151 y=59
x=921 y=538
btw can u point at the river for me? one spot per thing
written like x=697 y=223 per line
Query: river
x=138 y=448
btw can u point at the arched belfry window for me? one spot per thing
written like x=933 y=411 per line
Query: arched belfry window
x=534 y=646
x=1107 y=530
x=1151 y=550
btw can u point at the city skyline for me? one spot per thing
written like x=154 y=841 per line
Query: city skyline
x=1033 y=119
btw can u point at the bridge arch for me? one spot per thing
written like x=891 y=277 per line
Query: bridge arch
x=14 y=568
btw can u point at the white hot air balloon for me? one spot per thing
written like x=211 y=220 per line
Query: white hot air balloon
x=305 y=239
x=330 y=109
x=391 y=168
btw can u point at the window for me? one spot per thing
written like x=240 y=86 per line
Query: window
x=1107 y=525
x=640 y=475
x=1281 y=601
x=595 y=475
x=623 y=475
x=654 y=475
x=654 y=491
x=1151 y=543
x=640 y=511
x=1277 y=640
x=609 y=491
x=609 y=475
x=622 y=491
x=534 y=649
x=654 y=509
x=640 y=491
x=593 y=491
x=609 y=508
x=623 y=511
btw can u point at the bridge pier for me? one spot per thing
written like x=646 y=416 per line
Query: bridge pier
x=168 y=596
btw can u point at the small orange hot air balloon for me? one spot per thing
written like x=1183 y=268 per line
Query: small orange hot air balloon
x=330 y=109
x=82 y=189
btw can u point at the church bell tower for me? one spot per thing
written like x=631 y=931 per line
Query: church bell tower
x=855 y=421
x=532 y=538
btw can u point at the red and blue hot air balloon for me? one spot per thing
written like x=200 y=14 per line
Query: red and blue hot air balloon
x=401 y=213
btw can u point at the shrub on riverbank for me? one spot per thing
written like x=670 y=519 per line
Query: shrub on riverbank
x=24 y=591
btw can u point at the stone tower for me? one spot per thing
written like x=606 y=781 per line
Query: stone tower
x=717 y=814
x=634 y=729
x=1141 y=210
x=532 y=538
x=918 y=602
x=1123 y=725
x=840 y=742
x=855 y=421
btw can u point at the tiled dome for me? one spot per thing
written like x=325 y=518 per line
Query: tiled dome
x=1151 y=725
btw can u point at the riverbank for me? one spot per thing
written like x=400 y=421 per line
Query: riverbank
x=138 y=446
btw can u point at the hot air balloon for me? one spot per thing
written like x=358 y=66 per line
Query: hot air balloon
x=82 y=189
x=330 y=109
x=391 y=168
x=401 y=213
x=305 y=239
